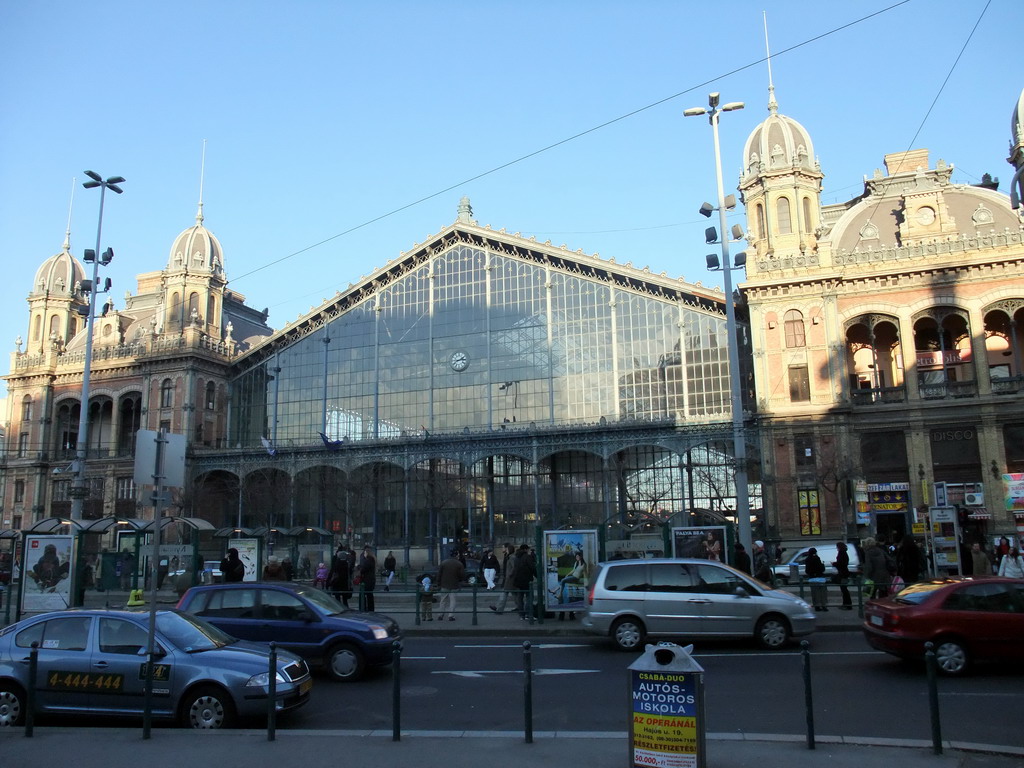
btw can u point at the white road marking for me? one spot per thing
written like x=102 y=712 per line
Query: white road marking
x=520 y=645
x=483 y=672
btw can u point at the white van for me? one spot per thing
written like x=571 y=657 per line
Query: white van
x=828 y=554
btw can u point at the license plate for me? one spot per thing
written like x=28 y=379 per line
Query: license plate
x=305 y=686
x=876 y=620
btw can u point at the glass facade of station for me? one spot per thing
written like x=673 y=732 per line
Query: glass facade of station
x=477 y=341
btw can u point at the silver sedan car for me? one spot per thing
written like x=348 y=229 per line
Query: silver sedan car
x=94 y=662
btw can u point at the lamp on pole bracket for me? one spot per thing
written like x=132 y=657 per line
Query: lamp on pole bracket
x=79 y=489
x=713 y=111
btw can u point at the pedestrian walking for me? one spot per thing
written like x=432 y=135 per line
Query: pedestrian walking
x=909 y=561
x=523 y=574
x=1012 y=567
x=367 y=572
x=232 y=569
x=982 y=563
x=426 y=598
x=742 y=559
x=508 y=563
x=842 y=566
x=450 y=574
x=815 y=571
x=339 y=578
x=877 y=569
x=762 y=571
x=390 y=564
x=491 y=568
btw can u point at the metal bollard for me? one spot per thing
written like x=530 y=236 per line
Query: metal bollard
x=272 y=695
x=931 y=665
x=396 y=691
x=475 y=593
x=808 y=697
x=30 y=694
x=528 y=691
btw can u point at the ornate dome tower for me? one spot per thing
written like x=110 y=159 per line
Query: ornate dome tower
x=55 y=300
x=781 y=188
x=194 y=281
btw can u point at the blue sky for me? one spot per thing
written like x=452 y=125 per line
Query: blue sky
x=321 y=117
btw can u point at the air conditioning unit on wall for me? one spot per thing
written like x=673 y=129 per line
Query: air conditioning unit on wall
x=974 y=499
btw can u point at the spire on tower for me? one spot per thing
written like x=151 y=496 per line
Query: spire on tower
x=202 y=173
x=67 y=232
x=773 y=106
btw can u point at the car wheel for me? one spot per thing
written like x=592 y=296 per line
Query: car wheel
x=772 y=632
x=951 y=656
x=628 y=634
x=12 y=705
x=345 y=663
x=207 y=707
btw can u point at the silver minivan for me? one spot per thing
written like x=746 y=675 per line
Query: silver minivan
x=631 y=600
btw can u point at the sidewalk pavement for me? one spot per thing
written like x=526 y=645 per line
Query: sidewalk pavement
x=173 y=747
x=400 y=604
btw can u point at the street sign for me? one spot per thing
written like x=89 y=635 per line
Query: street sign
x=172 y=455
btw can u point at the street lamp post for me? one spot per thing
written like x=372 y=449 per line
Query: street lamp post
x=738 y=438
x=78 y=487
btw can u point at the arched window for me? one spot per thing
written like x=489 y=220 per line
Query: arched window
x=209 y=308
x=760 y=220
x=19 y=491
x=193 y=304
x=54 y=326
x=784 y=216
x=808 y=224
x=167 y=394
x=26 y=408
x=211 y=396
x=794 y=329
x=37 y=327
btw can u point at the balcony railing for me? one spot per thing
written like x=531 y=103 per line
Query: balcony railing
x=879 y=395
x=947 y=389
x=1008 y=386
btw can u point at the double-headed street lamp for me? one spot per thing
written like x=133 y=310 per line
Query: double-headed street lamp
x=79 y=489
x=738 y=438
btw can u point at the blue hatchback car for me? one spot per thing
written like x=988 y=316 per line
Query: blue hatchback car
x=304 y=620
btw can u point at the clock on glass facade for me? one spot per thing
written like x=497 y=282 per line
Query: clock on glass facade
x=459 y=361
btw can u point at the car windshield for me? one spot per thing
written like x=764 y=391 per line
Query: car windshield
x=189 y=633
x=322 y=600
x=918 y=593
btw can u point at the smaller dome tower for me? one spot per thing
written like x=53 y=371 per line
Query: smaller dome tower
x=781 y=188
x=55 y=301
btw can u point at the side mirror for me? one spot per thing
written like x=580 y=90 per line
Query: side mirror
x=306 y=616
x=741 y=592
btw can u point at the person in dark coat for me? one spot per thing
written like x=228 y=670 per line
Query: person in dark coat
x=368 y=577
x=339 y=578
x=390 y=566
x=814 y=569
x=842 y=564
x=524 y=571
x=742 y=559
x=232 y=568
x=908 y=560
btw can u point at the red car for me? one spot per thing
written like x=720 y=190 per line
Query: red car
x=967 y=619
